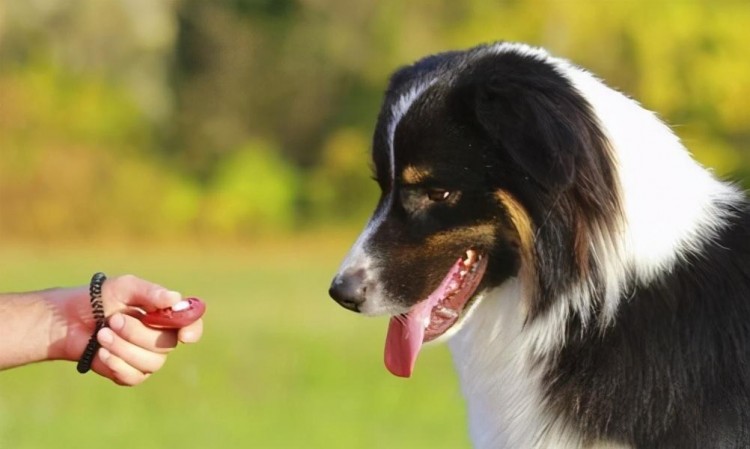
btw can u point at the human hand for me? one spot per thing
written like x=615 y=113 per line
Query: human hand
x=130 y=351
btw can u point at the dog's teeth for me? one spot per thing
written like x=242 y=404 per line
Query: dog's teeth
x=445 y=312
x=471 y=256
x=462 y=273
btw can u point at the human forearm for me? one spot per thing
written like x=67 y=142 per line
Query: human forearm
x=35 y=326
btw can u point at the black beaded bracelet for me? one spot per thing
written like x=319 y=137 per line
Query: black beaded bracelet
x=95 y=294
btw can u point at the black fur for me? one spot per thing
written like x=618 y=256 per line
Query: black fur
x=674 y=369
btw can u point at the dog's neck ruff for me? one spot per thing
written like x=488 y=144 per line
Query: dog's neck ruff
x=503 y=396
x=502 y=388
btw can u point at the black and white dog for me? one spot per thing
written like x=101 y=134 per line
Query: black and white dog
x=592 y=278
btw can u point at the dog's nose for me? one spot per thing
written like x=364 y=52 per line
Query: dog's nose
x=349 y=289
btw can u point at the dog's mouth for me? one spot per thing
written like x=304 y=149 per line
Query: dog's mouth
x=433 y=316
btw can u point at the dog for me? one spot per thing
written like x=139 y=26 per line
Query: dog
x=591 y=279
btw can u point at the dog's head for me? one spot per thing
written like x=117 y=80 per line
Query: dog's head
x=481 y=157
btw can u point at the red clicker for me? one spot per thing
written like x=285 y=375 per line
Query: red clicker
x=179 y=315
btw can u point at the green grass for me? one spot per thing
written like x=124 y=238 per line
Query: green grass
x=280 y=364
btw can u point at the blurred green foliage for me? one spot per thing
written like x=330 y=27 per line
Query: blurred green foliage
x=253 y=190
x=238 y=117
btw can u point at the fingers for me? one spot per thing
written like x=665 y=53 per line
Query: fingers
x=131 y=329
x=131 y=351
x=117 y=369
x=139 y=358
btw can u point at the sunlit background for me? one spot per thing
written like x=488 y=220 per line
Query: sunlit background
x=221 y=148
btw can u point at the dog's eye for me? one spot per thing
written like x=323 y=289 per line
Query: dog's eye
x=438 y=194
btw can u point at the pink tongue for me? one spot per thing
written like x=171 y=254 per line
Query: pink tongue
x=406 y=332
x=403 y=342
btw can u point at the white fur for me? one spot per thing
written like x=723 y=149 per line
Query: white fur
x=358 y=258
x=504 y=399
x=670 y=201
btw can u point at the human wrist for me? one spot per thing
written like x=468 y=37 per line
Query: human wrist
x=71 y=322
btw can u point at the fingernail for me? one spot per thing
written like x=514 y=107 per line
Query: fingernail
x=117 y=321
x=104 y=354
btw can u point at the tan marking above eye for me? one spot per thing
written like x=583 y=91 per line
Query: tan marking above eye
x=414 y=175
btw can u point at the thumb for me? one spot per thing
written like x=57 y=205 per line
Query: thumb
x=133 y=291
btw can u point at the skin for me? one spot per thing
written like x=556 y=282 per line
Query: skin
x=56 y=324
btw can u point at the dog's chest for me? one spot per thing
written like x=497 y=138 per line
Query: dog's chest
x=503 y=392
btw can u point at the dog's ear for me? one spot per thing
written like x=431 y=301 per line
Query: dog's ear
x=531 y=113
